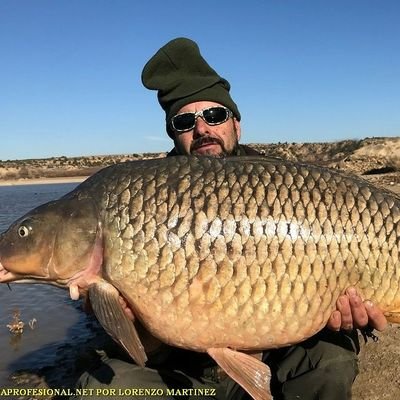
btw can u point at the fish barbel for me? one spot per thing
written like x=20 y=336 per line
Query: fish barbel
x=214 y=255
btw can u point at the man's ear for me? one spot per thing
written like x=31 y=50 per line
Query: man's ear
x=237 y=128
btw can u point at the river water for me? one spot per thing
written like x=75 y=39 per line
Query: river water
x=61 y=326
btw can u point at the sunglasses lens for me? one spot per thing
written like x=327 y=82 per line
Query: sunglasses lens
x=215 y=115
x=183 y=122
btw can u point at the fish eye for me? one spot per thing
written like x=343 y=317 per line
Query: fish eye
x=24 y=231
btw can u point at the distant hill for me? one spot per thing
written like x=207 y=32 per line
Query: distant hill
x=61 y=167
x=368 y=157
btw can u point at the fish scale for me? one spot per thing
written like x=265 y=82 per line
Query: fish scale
x=252 y=253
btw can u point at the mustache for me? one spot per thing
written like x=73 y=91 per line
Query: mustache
x=205 y=140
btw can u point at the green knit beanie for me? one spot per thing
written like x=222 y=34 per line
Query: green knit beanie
x=182 y=76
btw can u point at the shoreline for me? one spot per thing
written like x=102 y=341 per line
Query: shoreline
x=42 y=181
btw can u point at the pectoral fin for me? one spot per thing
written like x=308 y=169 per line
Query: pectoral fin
x=252 y=374
x=108 y=310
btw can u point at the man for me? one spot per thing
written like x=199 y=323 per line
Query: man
x=202 y=119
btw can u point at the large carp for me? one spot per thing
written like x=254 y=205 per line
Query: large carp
x=224 y=256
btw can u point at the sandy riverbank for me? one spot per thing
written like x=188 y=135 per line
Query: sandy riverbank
x=41 y=181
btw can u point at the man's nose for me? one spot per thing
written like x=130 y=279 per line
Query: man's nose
x=200 y=127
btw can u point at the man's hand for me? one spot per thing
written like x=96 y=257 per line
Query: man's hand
x=352 y=312
x=87 y=307
x=127 y=310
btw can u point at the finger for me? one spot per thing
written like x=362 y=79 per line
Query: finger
x=343 y=306
x=357 y=307
x=376 y=317
x=127 y=310
x=334 y=321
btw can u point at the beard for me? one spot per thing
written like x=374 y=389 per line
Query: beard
x=204 y=140
x=224 y=152
x=217 y=146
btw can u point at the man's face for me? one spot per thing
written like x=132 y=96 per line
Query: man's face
x=211 y=140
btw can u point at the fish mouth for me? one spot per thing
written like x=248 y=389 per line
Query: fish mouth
x=6 y=276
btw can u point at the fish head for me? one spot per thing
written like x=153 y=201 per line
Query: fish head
x=52 y=243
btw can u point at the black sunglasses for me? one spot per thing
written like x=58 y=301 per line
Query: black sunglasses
x=212 y=116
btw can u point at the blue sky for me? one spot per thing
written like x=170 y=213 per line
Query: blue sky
x=300 y=70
